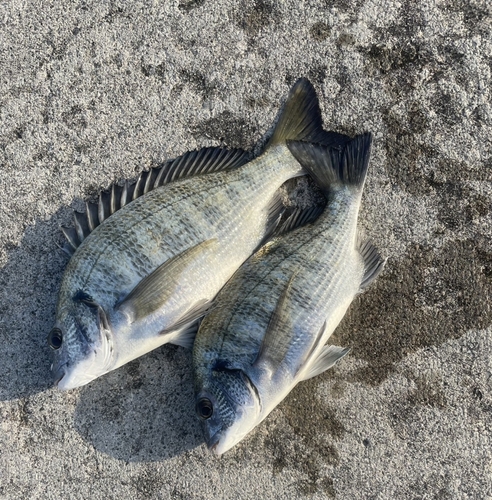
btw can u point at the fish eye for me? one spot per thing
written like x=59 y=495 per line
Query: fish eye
x=204 y=408
x=55 y=338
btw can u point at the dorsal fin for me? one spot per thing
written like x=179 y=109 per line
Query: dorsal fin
x=203 y=161
x=299 y=217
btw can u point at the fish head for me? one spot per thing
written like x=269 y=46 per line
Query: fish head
x=229 y=407
x=82 y=343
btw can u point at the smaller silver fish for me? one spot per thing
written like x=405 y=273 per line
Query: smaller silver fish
x=270 y=323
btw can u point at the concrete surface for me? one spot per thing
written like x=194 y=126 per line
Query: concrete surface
x=92 y=92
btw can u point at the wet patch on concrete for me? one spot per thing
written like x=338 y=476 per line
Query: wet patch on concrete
x=228 y=129
x=476 y=18
x=320 y=31
x=153 y=70
x=148 y=483
x=259 y=15
x=429 y=392
x=118 y=416
x=188 y=5
x=425 y=299
x=315 y=427
x=197 y=82
x=297 y=436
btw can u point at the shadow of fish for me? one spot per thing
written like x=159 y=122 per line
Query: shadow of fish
x=149 y=258
x=270 y=323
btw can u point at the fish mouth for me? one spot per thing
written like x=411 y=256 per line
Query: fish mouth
x=58 y=373
x=213 y=444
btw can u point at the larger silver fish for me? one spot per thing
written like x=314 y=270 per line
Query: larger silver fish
x=270 y=323
x=144 y=275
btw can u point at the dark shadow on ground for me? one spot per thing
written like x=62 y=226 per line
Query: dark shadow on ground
x=144 y=411
x=29 y=284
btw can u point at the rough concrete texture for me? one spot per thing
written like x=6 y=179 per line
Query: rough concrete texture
x=94 y=91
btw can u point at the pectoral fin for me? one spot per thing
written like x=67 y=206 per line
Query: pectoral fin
x=154 y=290
x=190 y=317
x=276 y=342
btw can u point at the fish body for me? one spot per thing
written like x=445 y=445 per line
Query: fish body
x=270 y=323
x=144 y=275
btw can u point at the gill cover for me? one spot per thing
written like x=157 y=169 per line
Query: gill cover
x=228 y=409
x=77 y=363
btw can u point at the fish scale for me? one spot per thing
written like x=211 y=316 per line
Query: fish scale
x=258 y=301
x=110 y=257
x=270 y=323
x=149 y=258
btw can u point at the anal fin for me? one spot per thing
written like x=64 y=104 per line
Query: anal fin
x=373 y=263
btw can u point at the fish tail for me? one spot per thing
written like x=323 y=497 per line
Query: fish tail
x=300 y=119
x=330 y=167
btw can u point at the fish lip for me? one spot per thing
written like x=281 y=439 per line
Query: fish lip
x=213 y=443
x=59 y=373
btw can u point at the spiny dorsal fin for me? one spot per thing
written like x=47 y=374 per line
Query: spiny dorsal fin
x=373 y=263
x=156 y=288
x=72 y=240
x=300 y=119
x=92 y=215
x=299 y=218
x=203 y=161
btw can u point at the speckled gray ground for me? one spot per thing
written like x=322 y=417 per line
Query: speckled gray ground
x=92 y=92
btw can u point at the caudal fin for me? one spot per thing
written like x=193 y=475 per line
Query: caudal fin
x=331 y=167
x=300 y=119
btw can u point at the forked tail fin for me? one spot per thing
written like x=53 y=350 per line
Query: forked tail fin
x=330 y=167
x=300 y=119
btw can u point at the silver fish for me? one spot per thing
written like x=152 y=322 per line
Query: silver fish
x=270 y=323
x=149 y=258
